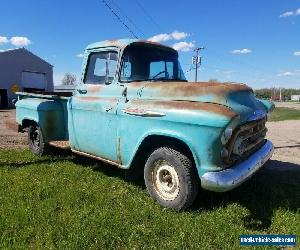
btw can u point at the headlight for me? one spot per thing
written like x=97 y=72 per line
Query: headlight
x=226 y=135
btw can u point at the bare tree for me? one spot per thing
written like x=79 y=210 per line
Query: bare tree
x=213 y=80
x=69 y=79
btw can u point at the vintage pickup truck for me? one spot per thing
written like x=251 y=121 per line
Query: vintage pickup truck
x=135 y=109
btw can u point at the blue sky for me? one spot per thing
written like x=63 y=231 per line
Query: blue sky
x=251 y=41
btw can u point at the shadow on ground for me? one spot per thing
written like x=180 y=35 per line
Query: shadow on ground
x=275 y=186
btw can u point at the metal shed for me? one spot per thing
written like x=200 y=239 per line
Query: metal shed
x=21 y=70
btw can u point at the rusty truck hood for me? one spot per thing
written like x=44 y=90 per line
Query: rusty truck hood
x=236 y=97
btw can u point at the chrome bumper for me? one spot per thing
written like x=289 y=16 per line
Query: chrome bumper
x=230 y=178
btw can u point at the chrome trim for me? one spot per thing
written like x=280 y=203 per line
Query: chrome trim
x=144 y=113
x=230 y=178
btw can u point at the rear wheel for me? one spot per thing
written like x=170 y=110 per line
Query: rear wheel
x=170 y=178
x=36 y=140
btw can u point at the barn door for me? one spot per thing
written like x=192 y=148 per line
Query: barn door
x=34 y=80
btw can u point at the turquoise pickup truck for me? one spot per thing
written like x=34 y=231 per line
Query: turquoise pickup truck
x=134 y=109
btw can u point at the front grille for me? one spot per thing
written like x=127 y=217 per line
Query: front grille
x=245 y=140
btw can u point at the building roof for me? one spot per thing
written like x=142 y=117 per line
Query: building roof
x=121 y=43
x=24 y=50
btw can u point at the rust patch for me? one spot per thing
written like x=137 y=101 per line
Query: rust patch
x=60 y=144
x=119 y=154
x=95 y=99
x=185 y=105
x=196 y=89
x=95 y=88
x=137 y=111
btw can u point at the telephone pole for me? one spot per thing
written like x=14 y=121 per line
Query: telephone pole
x=197 y=61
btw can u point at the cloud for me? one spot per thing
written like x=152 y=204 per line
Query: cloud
x=241 y=51
x=183 y=46
x=79 y=55
x=3 y=39
x=228 y=72
x=20 y=41
x=290 y=13
x=287 y=73
x=287 y=14
x=160 y=38
x=297 y=53
x=175 y=35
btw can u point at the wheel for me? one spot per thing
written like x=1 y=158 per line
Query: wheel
x=36 y=141
x=171 y=178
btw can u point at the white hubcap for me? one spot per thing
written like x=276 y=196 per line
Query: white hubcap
x=165 y=180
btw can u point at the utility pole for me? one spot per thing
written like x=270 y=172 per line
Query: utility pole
x=197 y=61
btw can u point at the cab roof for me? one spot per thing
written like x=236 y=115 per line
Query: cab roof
x=121 y=43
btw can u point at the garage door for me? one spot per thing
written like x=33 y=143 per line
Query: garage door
x=34 y=80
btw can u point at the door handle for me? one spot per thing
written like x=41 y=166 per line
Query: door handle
x=107 y=108
x=82 y=91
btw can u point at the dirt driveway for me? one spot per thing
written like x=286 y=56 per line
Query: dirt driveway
x=9 y=138
x=285 y=135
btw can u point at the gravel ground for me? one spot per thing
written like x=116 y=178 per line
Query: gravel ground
x=293 y=105
x=285 y=135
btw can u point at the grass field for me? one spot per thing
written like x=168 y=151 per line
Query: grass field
x=68 y=202
x=281 y=114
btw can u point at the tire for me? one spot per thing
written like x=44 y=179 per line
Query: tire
x=171 y=178
x=36 y=140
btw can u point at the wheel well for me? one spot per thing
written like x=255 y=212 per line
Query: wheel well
x=26 y=123
x=154 y=141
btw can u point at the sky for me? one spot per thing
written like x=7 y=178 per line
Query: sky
x=250 y=41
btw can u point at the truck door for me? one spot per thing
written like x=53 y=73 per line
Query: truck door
x=93 y=120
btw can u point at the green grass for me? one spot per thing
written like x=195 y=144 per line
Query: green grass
x=281 y=114
x=68 y=202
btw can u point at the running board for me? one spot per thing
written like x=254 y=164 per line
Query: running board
x=97 y=157
x=60 y=144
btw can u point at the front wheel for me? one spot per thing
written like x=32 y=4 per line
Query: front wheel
x=171 y=179
x=36 y=140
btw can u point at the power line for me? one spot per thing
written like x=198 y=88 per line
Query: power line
x=128 y=18
x=148 y=15
x=197 y=61
x=119 y=18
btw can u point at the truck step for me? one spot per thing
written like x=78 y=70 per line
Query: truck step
x=60 y=144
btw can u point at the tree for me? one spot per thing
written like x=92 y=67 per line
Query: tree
x=69 y=79
x=213 y=80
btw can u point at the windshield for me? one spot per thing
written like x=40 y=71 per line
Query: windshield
x=142 y=62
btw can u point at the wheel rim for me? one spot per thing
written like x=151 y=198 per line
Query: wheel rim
x=165 y=180
x=35 y=138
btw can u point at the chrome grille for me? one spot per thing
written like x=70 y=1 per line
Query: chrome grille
x=245 y=140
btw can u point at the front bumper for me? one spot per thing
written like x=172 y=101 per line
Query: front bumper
x=230 y=178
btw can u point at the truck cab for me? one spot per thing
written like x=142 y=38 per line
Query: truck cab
x=134 y=109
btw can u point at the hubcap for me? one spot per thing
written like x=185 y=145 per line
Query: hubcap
x=165 y=180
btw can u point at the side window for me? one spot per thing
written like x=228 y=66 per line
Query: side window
x=126 y=69
x=101 y=68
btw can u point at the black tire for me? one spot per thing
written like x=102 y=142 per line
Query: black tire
x=162 y=166
x=36 y=141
